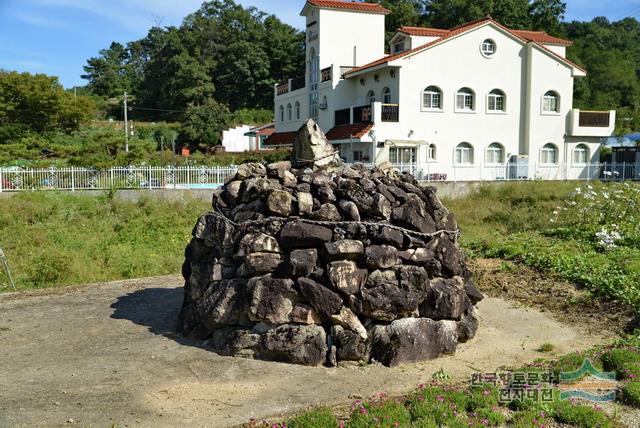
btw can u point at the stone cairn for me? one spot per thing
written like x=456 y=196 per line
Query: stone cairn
x=313 y=262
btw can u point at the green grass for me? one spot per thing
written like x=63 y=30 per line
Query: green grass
x=56 y=239
x=516 y=222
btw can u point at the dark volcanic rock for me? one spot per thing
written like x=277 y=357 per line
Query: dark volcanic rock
x=323 y=300
x=302 y=262
x=446 y=299
x=297 y=344
x=413 y=339
x=312 y=261
x=298 y=234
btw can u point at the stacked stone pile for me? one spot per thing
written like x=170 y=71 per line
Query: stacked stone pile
x=314 y=262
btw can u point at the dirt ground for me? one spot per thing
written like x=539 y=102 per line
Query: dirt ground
x=105 y=354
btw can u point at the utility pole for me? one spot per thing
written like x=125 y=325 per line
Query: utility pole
x=126 y=126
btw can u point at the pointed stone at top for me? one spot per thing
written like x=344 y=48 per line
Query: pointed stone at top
x=312 y=149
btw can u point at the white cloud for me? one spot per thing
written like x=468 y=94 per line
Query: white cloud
x=136 y=15
x=40 y=21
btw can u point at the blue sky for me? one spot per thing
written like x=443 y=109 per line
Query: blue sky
x=58 y=36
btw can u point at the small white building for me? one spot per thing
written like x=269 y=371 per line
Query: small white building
x=479 y=101
x=236 y=140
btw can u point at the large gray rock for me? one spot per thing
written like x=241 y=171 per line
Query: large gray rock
x=350 y=346
x=297 y=344
x=311 y=148
x=305 y=203
x=346 y=276
x=381 y=256
x=224 y=303
x=382 y=298
x=279 y=203
x=346 y=249
x=271 y=300
x=297 y=234
x=446 y=299
x=302 y=262
x=413 y=339
x=323 y=300
x=260 y=263
x=250 y=170
x=257 y=243
x=347 y=319
x=468 y=326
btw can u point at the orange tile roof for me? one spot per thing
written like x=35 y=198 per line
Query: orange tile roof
x=350 y=5
x=459 y=30
x=541 y=37
x=344 y=132
x=281 y=139
x=423 y=31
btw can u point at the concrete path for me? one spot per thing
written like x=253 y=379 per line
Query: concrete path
x=105 y=354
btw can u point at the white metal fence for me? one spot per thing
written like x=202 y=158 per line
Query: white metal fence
x=192 y=178
x=145 y=177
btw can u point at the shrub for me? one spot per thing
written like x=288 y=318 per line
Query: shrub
x=631 y=393
x=319 y=418
x=580 y=416
x=616 y=359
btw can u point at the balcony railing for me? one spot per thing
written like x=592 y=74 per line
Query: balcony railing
x=326 y=74
x=282 y=88
x=595 y=119
x=390 y=113
x=363 y=114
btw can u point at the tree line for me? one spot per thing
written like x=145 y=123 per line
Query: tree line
x=219 y=66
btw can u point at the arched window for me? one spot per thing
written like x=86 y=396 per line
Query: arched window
x=464 y=154
x=298 y=110
x=488 y=47
x=371 y=97
x=431 y=153
x=432 y=98
x=281 y=113
x=495 y=154
x=551 y=102
x=549 y=154
x=386 y=96
x=497 y=101
x=465 y=100
x=289 y=112
x=581 y=155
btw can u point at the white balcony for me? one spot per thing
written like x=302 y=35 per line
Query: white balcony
x=583 y=123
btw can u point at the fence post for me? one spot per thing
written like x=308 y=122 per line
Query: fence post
x=624 y=170
x=1 y=181
x=73 y=180
x=111 y=178
x=188 y=177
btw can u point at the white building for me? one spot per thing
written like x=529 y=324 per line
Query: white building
x=479 y=101
x=236 y=140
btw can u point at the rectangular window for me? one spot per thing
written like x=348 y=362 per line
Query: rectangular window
x=579 y=156
x=548 y=157
x=402 y=155
x=399 y=47
x=496 y=103
x=550 y=104
x=464 y=102
x=464 y=155
x=357 y=155
x=431 y=100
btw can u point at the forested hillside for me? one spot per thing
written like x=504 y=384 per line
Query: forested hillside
x=219 y=66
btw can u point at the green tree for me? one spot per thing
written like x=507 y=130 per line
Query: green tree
x=109 y=74
x=38 y=104
x=203 y=124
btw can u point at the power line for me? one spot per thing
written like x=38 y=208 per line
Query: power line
x=156 y=109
